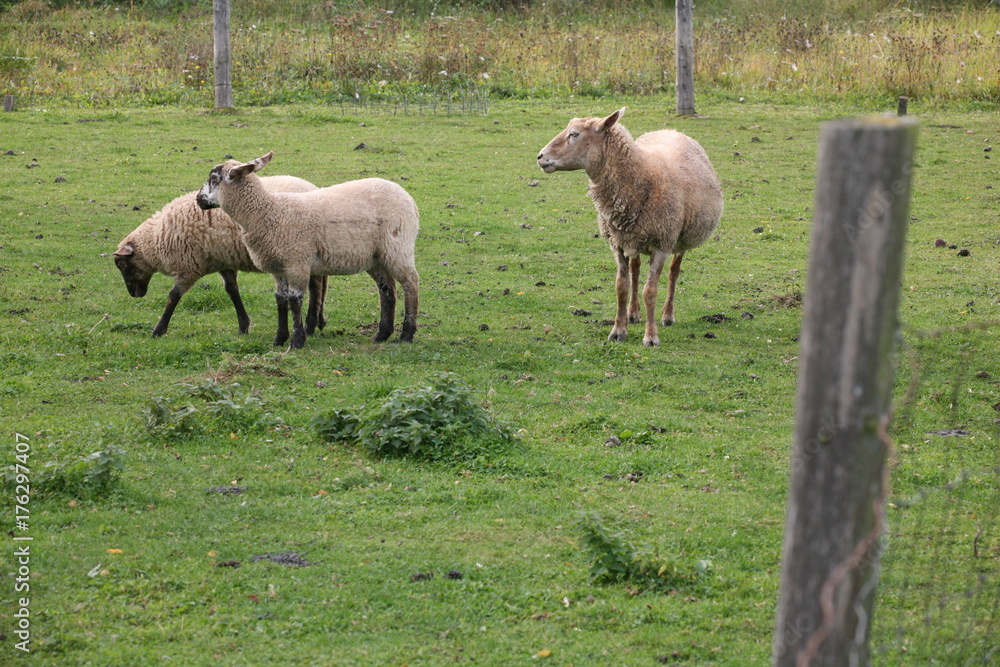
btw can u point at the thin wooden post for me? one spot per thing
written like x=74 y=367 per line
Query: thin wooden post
x=834 y=524
x=685 y=58
x=901 y=105
x=8 y=102
x=223 y=76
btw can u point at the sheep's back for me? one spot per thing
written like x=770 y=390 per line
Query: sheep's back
x=283 y=183
x=681 y=160
x=182 y=239
x=348 y=227
x=690 y=187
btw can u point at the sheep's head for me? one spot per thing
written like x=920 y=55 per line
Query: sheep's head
x=135 y=272
x=230 y=172
x=571 y=148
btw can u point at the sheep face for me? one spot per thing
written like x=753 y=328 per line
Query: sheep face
x=135 y=271
x=570 y=149
x=229 y=173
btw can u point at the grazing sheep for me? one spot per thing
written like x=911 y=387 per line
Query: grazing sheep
x=187 y=243
x=657 y=195
x=368 y=225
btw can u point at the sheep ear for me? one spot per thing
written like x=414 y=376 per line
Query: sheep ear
x=262 y=161
x=125 y=251
x=611 y=120
x=242 y=170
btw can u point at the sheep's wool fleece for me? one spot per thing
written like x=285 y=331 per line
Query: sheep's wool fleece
x=642 y=189
x=339 y=230
x=183 y=240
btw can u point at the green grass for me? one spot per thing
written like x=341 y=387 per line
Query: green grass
x=79 y=367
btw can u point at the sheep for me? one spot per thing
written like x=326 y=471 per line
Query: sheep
x=186 y=243
x=367 y=225
x=656 y=195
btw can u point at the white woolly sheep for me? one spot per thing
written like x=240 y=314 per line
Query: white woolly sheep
x=656 y=195
x=368 y=225
x=187 y=243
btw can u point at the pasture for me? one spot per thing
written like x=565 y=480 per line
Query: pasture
x=516 y=298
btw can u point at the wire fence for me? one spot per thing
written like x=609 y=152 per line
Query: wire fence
x=939 y=594
x=470 y=102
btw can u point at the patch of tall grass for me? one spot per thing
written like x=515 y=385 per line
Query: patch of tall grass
x=98 y=54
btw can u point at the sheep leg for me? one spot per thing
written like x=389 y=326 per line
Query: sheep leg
x=668 y=307
x=317 y=295
x=298 y=331
x=410 y=304
x=179 y=289
x=321 y=308
x=281 y=299
x=657 y=259
x=172 y=300
x=233 y=290
x=387 y=303
x=633 y=306
x=620 y=330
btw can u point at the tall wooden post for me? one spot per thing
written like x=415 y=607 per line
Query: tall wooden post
x=834 y=524
x=685 y=58
x=223 y=76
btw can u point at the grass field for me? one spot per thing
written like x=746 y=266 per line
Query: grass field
x=516 y=292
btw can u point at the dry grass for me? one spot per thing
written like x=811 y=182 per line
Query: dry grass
x=944 y=55
x=110 y=56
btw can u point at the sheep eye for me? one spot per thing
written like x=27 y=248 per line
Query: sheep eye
x=574 y=134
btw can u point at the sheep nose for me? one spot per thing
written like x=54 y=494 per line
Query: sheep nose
x=541 y=155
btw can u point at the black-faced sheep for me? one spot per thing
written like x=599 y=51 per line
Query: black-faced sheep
x=187 y=243
x=656 y=195
x=368 y=225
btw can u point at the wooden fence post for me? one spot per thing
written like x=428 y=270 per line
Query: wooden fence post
x=834 y=524
x=223 y=76
x=685 y=58
x=8 y=102
x=901 y=105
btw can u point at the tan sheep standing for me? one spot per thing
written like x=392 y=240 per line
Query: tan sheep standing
x=368 y=225
x=186 y=243
x=657 y=195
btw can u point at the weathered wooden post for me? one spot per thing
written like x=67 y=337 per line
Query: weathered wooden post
x=901 y=105
x=223 y=76
x=685 y=58
x=834 y=524
x=8 y=102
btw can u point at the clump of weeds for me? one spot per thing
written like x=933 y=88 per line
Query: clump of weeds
x=440 y=420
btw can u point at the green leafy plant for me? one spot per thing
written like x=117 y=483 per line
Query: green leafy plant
x=338 y=425
x=164 y=419
x=221 y=408
x=614 y=559
x=86 y=476
x=440 y=419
